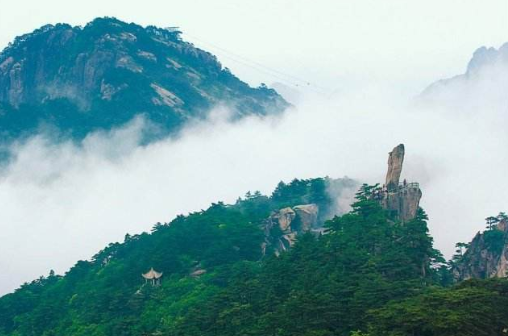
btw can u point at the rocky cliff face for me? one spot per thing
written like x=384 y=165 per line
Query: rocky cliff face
x=283 y=226
x=400 y=199
x=103 y=74
x=486 y=256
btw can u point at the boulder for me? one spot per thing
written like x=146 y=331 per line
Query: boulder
x=308 y=215
x=291 y=222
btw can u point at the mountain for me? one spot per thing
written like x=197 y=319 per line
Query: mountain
x=279 y=265
x=483 y=85
x=481 y=94
x=197 y=255
x=102 y=75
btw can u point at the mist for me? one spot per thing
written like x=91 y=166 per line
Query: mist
x=63 y=201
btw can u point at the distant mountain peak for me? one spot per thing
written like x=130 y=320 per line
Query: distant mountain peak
x=485 y=80
x=484 y=56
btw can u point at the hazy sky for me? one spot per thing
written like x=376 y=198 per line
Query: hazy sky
x=322 y=41
x=61 y=203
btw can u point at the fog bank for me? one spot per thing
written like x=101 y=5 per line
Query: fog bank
x=63 y=201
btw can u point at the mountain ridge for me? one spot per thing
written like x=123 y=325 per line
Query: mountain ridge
x=371 y=273
x=486 y=65
x=105 y=73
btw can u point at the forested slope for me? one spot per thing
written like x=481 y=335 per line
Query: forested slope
x=367 y=275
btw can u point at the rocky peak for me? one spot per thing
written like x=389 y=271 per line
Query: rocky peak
x=400 y=199
x=486 y=75
x=484 y=56
x=395 y=161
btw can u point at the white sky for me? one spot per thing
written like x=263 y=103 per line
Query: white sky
x=323 y=41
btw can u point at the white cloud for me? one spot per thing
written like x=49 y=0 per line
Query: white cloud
x=62 y=202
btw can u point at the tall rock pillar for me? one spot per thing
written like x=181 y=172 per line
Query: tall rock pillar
x=395 y=161
x=401 y=200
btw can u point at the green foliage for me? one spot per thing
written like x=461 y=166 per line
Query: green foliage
x=486 y=248
x=494 y=241
x=106 y=294
x=325 y=285
x=368 y=276
x=473 y=308
x=305 y=192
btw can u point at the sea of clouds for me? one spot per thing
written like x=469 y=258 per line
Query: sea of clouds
x=62 y=201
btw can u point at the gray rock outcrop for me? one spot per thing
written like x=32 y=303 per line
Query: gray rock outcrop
x=284 y=218
x=403 y=202
x=308 y=215
x=400 y=199
x=486 y=255
x=283 y=226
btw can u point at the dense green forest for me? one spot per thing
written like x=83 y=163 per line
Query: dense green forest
x=367 y=275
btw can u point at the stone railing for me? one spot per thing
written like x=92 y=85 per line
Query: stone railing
x=410 y=185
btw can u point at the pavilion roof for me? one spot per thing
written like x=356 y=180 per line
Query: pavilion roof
x=152 y=274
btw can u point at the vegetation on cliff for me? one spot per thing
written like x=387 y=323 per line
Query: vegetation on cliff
x=369 y=275
x=486 y=255
x=102 y=75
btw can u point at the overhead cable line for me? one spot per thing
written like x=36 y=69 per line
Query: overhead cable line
x=285 y=77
